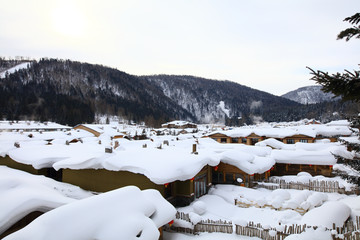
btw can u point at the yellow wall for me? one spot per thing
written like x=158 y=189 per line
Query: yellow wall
x=7 y=161
x=102 y=180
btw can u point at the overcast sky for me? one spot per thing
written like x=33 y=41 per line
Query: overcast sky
x=263 y=44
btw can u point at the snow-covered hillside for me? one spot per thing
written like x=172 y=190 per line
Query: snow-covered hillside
x=309 y=95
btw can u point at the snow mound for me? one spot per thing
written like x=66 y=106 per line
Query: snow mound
x=125 y=213
x=199 y=207
x=329 y=213
x=310 y=233
x=23 y=193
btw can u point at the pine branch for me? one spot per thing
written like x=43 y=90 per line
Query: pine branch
x=354 y=19
x=346 y=85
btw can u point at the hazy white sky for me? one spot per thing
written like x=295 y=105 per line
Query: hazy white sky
x=263 y=44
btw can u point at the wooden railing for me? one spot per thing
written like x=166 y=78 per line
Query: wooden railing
x=319 y=186
x=350 y=230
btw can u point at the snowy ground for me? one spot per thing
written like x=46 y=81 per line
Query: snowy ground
x=323 y=209
x=205 y=236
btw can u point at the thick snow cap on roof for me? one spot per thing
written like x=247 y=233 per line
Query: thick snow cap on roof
x=125 y=213
x=311 y=153
x=271 y=142
x=23 y=193
x=247 y=162
x=339 y=123
x=105 y=129
x=177 y=123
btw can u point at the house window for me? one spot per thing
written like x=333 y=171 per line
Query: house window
x=290 y=141
x=229 y=178
x=254 y=140
x=235 y=140
x=168 y=191
x=244 y=140
x=217 y=177
x=223 y=140
x=200 y=185
x=304 y=140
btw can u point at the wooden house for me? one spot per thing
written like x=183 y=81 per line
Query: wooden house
x=313 y=121
x=253 y=138
x=220 y=137
x=98 y=129
x=298 y=138
x=48 y=172
x=179 y=125
x=281 y=169
x=88 y=129
x=31 y=126
x=228 y=174
x=179 y=193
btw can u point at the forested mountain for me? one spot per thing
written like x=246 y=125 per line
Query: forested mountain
x=309 y=95
x=71 y=92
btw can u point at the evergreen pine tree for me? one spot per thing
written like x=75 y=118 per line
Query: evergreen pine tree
x=346 y=85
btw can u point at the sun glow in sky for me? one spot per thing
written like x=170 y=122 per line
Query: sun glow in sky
x=263 y=44
x=68 y=19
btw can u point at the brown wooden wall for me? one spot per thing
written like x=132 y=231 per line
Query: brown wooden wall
x=281 y=169
x=102 y=180
x=87 y=129
x=230 y=173
x=7 y=161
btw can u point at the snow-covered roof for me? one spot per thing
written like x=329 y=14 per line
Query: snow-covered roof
x=283 y=132
x=7 y=139
x=125 y=213
x=22 y=193
x=30 y=125
x=105 y=129
x=177 y=123
x=311 y=153
x=345 y=123
x=168 y=164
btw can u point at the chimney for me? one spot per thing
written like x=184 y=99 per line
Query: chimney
x=194 y=149
x=108 y=150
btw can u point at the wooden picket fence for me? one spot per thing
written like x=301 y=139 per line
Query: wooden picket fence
x=214 y=226
x=350 y=230
x=319 y=186
x=204 y=225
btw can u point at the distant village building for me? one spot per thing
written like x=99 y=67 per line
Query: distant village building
x=99 y=129
x=179 y=124
x=31 y=126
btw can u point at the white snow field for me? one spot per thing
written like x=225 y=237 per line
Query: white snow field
x=270 y=209
x=128 y=212
x=14 y=69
